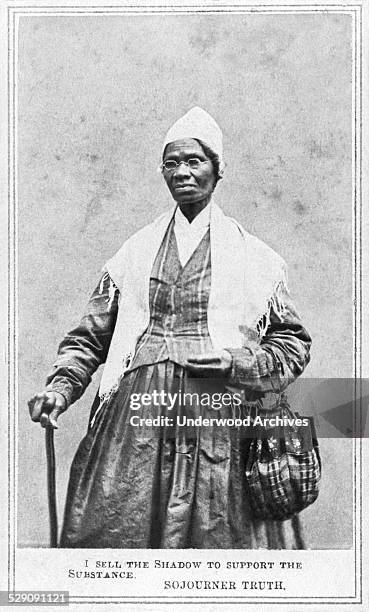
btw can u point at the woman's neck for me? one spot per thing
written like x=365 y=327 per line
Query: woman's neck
x=191 y=209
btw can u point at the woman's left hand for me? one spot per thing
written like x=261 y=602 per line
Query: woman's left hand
x=210 y=365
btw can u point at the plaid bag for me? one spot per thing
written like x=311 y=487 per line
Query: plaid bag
x=283 y=468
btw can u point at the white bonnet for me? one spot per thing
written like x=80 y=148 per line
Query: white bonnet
x=198 y=124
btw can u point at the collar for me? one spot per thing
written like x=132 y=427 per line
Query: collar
x=201 y=221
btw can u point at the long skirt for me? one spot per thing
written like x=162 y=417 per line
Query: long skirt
x=163 y=486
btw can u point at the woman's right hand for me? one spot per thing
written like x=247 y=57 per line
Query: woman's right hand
x=45 y=407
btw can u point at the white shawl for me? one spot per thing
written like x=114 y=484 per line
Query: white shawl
x=246 y=281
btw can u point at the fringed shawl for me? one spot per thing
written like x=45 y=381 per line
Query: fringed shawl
x=246 y=283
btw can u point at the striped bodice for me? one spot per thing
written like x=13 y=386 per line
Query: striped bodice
x=178 y=305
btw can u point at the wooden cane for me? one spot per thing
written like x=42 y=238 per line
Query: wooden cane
x=51 y=488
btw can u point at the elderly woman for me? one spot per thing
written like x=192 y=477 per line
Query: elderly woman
x=190 y=303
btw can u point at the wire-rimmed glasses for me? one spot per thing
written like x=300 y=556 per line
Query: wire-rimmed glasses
x=193 y=163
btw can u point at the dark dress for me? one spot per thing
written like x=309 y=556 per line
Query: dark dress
x=170 y=486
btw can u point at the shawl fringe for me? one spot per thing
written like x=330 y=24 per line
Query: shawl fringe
x=106 y=397
x=111 y=290
x=275 y=303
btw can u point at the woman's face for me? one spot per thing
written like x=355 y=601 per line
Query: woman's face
x=189 y=185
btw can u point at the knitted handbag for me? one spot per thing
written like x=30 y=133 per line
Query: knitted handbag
x=283 y=469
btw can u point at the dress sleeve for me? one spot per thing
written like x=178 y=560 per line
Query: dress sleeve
x=278 y=359
x=86 y=346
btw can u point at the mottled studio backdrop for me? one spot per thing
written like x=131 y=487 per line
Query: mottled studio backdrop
x=96 y=96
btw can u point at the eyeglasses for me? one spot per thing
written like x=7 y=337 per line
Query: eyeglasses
x=193 y=163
